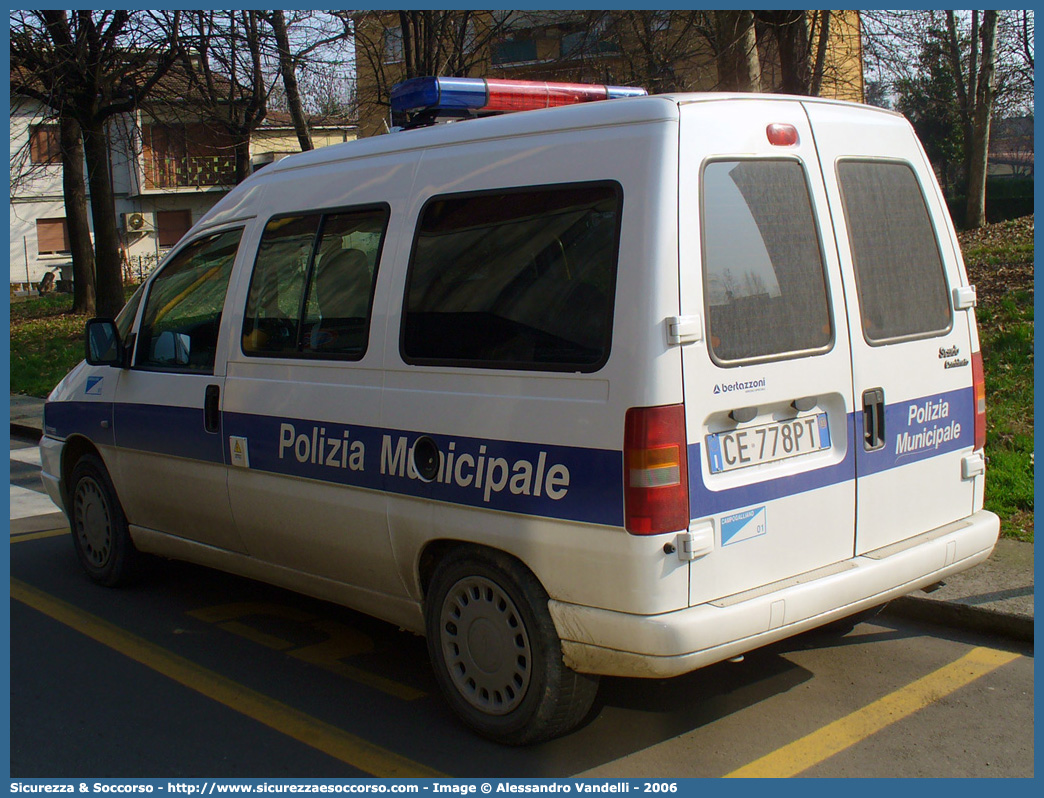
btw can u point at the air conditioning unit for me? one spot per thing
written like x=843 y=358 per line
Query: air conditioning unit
x=137 y=222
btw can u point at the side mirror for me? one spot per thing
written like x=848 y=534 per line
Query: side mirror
x=103 y=344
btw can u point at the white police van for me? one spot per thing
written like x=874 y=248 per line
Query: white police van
x=624 y=387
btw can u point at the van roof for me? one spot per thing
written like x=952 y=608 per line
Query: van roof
x=631 y=110
x=626 y=111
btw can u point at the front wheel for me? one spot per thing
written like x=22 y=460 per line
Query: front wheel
x=495 y=651
x=99 y=527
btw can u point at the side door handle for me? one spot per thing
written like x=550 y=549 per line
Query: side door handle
x=873 y=419
x=211 y=414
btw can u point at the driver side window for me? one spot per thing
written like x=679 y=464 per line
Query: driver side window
x=182 y=317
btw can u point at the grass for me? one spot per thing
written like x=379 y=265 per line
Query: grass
x=1006 y=335
x=47 y=340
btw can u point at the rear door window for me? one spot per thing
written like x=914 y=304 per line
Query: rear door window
x=765 y=288
x=515 y=279
x=899 y=271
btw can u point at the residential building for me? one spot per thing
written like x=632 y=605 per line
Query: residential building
x=168 y=169
x=659 y=50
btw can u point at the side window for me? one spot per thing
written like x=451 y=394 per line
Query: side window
x=764 y=283
x=312 y=286
x=899 y=272
x=340 y=286
x=277 y=285
x=182 y=316
x=515 y=279
x=125 y=318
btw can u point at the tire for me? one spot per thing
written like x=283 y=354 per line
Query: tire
x=99 y=527
x=495 y=651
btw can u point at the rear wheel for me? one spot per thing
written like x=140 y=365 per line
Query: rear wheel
x=99 y=527
x=495 y=651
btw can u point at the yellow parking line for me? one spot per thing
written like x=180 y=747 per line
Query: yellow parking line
x=822 y=744
x=51 y=533
x=348 y=748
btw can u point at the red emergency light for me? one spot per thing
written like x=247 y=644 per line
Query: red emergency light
x=462 y=97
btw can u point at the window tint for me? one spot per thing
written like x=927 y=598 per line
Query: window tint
x=335 y=256
x=765 y=288
x=277 y=285
x=519 y=279
x=179 y=327
x=899 y=272
x=125 y=318
x=340 y=286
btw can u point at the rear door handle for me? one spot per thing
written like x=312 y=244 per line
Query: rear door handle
x=211 y=414
x=873 y=419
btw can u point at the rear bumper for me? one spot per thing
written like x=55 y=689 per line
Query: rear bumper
x=619 y=644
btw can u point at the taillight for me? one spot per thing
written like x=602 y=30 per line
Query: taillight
x=656 y=474
x=979 y=382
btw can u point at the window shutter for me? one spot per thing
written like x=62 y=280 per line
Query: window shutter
x=52 y=236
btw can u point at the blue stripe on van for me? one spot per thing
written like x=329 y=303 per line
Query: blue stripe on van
x=552 y=481
x=546 y=480
x=533 y=479
x=62 y=419
x=169 y=430
x=915 y=430
x=703 y=501
x=921 y=428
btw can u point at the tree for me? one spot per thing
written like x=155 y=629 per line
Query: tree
x=75 y=191
x=988 y=58
x=306 y=41
x=790 y=32
x=223 y=62
x=398 y=45
x=669 y=50
x=24 y=172
x=736 y=48
x=90 y=67
x=288 y=70
x=926 y=98
x=977 y=107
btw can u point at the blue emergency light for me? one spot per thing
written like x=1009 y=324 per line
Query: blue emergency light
x=468 y=96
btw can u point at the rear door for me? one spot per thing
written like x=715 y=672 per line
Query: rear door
x=768 y=389
x=911 y=350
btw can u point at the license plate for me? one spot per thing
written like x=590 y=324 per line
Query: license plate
x=766 y=443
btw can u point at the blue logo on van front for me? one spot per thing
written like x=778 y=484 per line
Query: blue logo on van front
x=738 y=527
x=94 y=386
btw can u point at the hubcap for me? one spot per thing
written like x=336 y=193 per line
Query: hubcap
x=93 y=525
x=485 y=645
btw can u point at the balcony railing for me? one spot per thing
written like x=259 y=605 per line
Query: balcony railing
x=195 y=171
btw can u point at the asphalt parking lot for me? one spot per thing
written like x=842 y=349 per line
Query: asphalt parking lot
x=191 y=672
x=195 y=672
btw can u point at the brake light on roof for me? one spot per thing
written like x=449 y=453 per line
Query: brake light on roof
x=656 y=477
x=463 y=96
x=781 y=135
x=979 y=384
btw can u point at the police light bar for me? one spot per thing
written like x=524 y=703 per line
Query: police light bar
x=468 y=96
